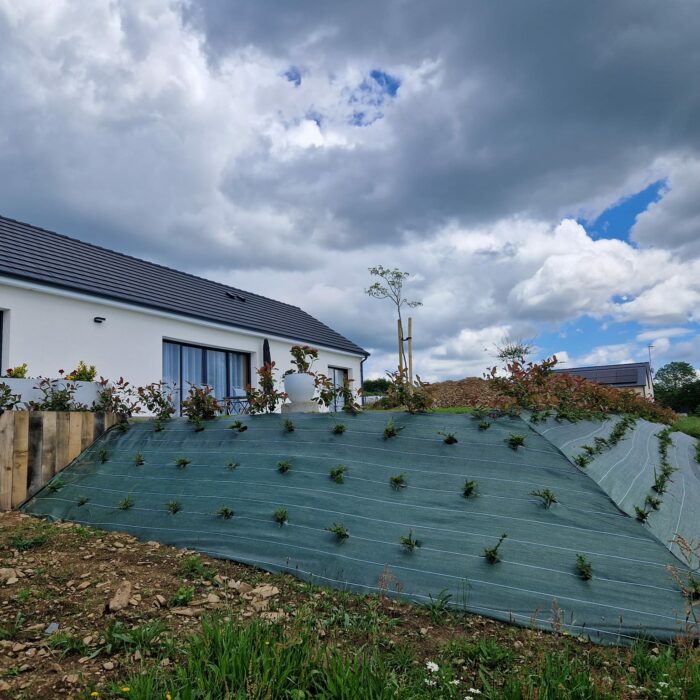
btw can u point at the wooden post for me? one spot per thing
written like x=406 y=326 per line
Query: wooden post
x=7 y=432
x=20 y=479
x=400 y=335
x=410 y=351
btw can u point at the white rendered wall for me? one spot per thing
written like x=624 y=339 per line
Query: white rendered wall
x=50 y=331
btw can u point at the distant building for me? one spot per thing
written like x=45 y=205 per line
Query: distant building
x=635 y=376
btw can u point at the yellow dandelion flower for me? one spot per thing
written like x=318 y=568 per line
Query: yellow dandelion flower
x=168 y=696
x=126 y=689
x=94 y=694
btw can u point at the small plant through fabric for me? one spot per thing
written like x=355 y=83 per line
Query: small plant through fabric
x=339 y=531
x=126 y=503
x=398 y=481
x=139 y=459
x=338 y=429
x=225 y=513
x=470 y=489
x=288 y=425
x=238 y=426
x=409 y=542
x=546 y=497
x=337 y=474
x=391 y=429
x=584 y=567
x=491 y=553
x=448 y=438
x=173 y=507
x=280 y=516
x=515 y=441
x=182 y=462
x=284 y=466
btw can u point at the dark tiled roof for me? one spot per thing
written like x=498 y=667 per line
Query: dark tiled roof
x=34 y=254
x=632 y=374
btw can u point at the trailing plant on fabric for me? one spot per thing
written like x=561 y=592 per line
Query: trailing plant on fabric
x=601 y=444
x=280 y=516
x=265 y=398
x=491 y=553
x=200 y=404
x=55 y=486
x=448 y=438
x=337 y=474
x=584 y=567
x=408 y=542
x=82 y=373
x=391 y=429
x=546 y=497
x=339 y=531
x=225 y=513
x=182 y=462
x=470 y=489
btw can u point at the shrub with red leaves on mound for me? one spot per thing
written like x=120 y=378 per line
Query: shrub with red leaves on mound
x=533 y=386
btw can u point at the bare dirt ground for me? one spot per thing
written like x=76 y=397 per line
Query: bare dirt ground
x=462 y=392
x=83 y=610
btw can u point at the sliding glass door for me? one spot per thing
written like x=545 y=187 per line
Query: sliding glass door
x=227 y=372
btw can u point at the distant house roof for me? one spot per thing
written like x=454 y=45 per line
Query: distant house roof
x=34 y=254
x=621 y=376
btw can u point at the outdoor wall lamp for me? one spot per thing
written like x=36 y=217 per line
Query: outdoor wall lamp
x=99 y=319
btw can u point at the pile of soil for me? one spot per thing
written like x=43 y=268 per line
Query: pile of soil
x=471 y=391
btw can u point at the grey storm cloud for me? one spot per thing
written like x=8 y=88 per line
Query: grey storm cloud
x=286 y=147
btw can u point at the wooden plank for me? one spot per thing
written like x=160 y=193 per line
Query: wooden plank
x=87 y=430
x=75 y=435
x=36 y=435
x=62 y=433
x=48 y=446
x=20 y=477
x=99 y=425
x=7 y=431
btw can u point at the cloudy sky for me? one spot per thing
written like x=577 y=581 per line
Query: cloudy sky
x=534 y=165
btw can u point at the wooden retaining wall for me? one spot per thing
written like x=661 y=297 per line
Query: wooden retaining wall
x=35 y=445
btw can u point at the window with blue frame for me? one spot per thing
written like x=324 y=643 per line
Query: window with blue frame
x=227 y=372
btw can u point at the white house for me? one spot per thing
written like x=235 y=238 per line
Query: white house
x=63 y=300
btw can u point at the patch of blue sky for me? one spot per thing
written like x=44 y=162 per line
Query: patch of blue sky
x=293 y=75
x=388 y=83
x=314 y=116
x=617 y=220
x=365 y=119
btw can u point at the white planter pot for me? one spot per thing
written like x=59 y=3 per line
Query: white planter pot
x=86 y=392
x=300 y=388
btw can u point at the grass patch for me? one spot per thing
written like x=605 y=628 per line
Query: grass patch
x=689 y=425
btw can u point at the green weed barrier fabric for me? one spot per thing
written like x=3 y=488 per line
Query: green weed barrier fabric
x=535 y=583
x=626 y=472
